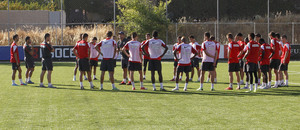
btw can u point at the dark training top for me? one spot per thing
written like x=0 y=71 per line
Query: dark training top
x=46 y=50
x=121 y=44
x=27 y=49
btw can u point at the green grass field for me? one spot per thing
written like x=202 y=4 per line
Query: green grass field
x=68 y=107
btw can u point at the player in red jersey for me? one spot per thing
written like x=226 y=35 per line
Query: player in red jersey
x=76 y=62
x=107 y=48
x=175 y=61
x=15 y=61
x=239 y=39
x=94 y=55
x=154 y=46
x=212 y=38
x=145 y=57
x=135 y=59
x=184 y=61
x=257 y=38
x=82 y=51
x=196 y=60
x=266 y=51
x=233 y=61
x=275 y=57
x=285 y=58
x=252 y=55
x=281 y=80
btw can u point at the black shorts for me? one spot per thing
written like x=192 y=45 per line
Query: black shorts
x=241 y=63
x=283 y=67
x=274 y=64
x=185 y=69
x=134 y=66
x=154 y=65
x=252 y=67
x=264 y=68
x=233 y=67
x=145 y=64
x=175 y=63
x=14 y=66
x=207 y=66
x=93 y=62
x=107 y=65
x=29 y=63
x=115 y=62
x=84 y=64
x=195 y=62
x=47 y=64
x=125 y=63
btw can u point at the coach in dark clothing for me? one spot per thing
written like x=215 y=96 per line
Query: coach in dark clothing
x=46 y=49
x=121 y=43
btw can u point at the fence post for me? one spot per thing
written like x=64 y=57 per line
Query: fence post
x=97 y=30
x=8 y=22
x=176 y=27
x=56 y=39
x=293 y=33
x=254 y=27
x=216 y=30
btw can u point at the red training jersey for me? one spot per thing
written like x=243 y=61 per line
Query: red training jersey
x=146 y=49
x=253 y=55
x=82 y=48
x=14 y=49
x=242 y=46
x=235 y=49
x=266 y=48
x=274 y=43
x=286 y=50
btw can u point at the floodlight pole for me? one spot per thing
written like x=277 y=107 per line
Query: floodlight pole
x=61 y=22
x=268 y=18
x=8 y=22
x=114 y=17
x=167 y=19
x=217 y=37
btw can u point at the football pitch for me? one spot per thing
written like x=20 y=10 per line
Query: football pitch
x=68 y=107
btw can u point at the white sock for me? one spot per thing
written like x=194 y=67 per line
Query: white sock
x=41 y=84
x=215 y=79
x=101 y=86
x=113 y=85
x=276 y=83
x=177 y=86
x=286 y=82
x=180 y=77
x=26 y=79
x=258 y=80
x=81 y=84
x=212 y=86
x=255 y=86
x=91 y=84
x=21 y=81
x=94 y=76
x=230 y=85
x=199 y=78
x=129 y=80
x=141 y=83
x=133 y=84
x=29 y=78
x=153 y=86
x=208 y=79
x=269 y=83
x=282 y=81
x=74 y=77
x=13 y=81
x=241 y=81
x=49 y=84
x=264 y=84
x=251 y=87
x=238 y=84
x=201 y=85
x=161 y=85
x=85 y=76
x=144 y=76
x=124 y=80
x=185 y=85
x=174 y=77
x=246 y=84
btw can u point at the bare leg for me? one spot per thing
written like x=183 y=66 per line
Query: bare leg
x=102 y=77
x=13 y=76
x=49 y=76
x=111 y=75
x=42 y=76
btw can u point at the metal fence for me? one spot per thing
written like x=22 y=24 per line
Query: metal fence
x=70 y=33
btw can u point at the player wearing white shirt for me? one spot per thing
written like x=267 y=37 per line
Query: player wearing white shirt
x=184 y=61
x=93 y=56
x=175 y=61
x=135 y=59
x=196 y=60
x=154 y=46
x=108 y=51
x=209 y=59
